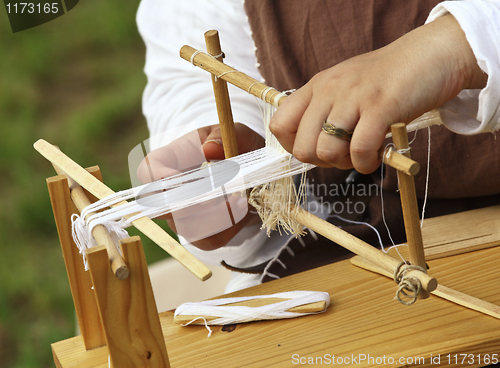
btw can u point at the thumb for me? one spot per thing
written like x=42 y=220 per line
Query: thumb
x=248 y=140
x=212 y=147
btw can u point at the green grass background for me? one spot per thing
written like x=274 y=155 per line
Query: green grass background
x=77 y=82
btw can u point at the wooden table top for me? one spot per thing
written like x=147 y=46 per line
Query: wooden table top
x=362 y=321
x=363 y=326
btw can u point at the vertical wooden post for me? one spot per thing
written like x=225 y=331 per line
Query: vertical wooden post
x=79 y=280
x=222 y=99
x=409 y=204
x=128 y=309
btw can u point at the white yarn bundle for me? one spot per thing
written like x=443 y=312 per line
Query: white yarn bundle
x=228 y=314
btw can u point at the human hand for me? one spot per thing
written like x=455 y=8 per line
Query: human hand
x=208 y=225
x=368 y=93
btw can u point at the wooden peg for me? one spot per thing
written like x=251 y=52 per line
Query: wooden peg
x=100 y=233
x=222 y=99
x=400 y=162
x=409 y=204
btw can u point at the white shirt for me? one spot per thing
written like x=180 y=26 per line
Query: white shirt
x=476 y=111
x=180 y=95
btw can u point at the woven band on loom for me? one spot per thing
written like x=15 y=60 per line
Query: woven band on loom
x=183 y=190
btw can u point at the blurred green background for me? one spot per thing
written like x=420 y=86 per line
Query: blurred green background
x=76 y=82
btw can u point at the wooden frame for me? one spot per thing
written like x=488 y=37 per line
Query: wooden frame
x=119 y=316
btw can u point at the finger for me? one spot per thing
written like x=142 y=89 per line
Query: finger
x=333 y=149
x=305 y=145
x=247 y=139
x=285 y=121
x=366 y=142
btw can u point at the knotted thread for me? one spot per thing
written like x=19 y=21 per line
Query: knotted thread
x=411 y=284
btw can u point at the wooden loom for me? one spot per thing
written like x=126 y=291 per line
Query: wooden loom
x=107 y=328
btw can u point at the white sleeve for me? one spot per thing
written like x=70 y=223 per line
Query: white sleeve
x=476 y=111
x=178 y=93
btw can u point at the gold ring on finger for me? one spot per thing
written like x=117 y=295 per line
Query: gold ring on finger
x=340 y=133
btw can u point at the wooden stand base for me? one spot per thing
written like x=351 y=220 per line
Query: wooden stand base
x=117 y=318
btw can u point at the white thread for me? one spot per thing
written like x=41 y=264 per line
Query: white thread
x=201 y=52
x=229 y=71
x=218 y=56
x=264 y=93
x=426 y=120
x=277 y=99
x=362 y=223
x=183 y=190
x=228 y=314
x=280 y=194
x=427 y=175
x=386 y=151
x=388 y=147
x=253 y=84
x=416 y=125
x=206 y=324
x=313 y=234
x=194 y=54
x=281 y=262
x=402 y=151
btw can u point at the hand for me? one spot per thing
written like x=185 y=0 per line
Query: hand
x=368 y=93
x=208 y=225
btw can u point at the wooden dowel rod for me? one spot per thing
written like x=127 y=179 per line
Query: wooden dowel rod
x=401 y=162
x=100 y=233
x=254 y=87
x=145 y=225
x=409 y=204
x=231 y=75
x=222 y=101
x=359 y=247
x=441 y=291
